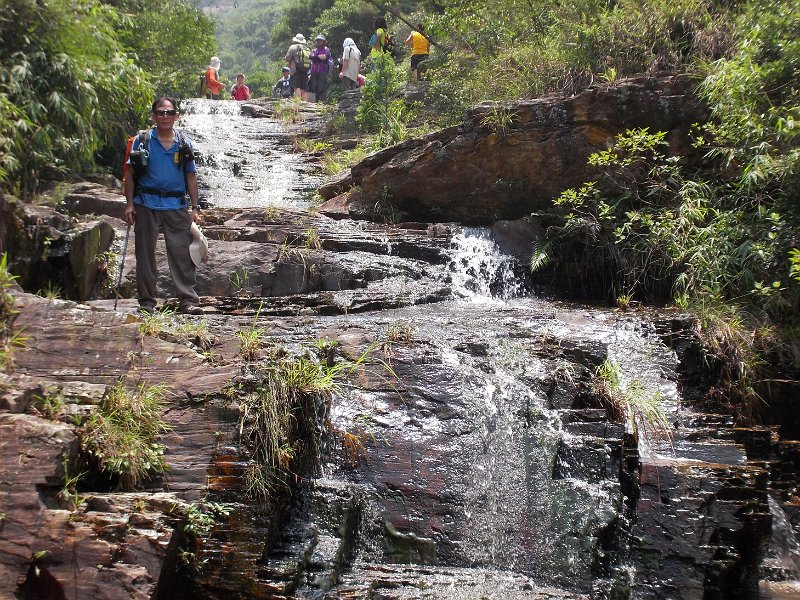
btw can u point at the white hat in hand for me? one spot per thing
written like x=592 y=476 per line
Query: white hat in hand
x=198 y=249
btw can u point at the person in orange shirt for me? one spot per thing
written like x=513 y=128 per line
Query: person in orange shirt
x=213 y=84
x=420 y=49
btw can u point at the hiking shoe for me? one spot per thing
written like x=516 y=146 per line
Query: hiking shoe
x=191 y=309
x=148 y=310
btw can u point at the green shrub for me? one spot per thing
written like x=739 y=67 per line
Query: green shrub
x=518 y=49
x=67 y=89
x=280 y=415
x=647 y=228
x=378 y=112
x=123 y=433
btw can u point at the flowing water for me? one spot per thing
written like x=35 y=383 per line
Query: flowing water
x=487 y=471
x=242 y=163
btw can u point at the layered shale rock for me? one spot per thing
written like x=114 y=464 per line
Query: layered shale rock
x=507 y=161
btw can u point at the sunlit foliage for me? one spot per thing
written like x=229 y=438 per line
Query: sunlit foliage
x=170 y=39
x=66 y=87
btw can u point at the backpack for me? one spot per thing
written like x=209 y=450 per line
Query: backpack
x=389 y=43
x=138 y=159
x=303 y=58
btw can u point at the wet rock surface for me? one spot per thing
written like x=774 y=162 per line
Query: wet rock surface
x=469 y=455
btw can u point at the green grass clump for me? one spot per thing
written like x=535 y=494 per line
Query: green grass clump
x=279 y=416
x=334 y=163
x=123 y=433
x=641 y=410
x=10 y=338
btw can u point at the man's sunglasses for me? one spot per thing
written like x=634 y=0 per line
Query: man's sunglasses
x=165 y=113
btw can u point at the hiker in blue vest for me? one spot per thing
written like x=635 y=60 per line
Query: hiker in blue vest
x=162 y=161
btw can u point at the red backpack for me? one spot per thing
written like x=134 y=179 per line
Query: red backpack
x=125 y=165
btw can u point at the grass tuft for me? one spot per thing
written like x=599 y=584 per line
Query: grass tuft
x=641 y=410
x=123 y=433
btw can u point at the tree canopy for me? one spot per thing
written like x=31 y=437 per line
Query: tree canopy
x=78 y=75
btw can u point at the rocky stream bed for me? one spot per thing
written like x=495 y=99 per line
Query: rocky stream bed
x=468 y=455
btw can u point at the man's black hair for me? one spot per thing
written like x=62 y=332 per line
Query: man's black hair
x=160 y=99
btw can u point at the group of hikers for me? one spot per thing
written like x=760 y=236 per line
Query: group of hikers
x=307 y=69
x=306 y=72
x=212 y=87
x=160 y=175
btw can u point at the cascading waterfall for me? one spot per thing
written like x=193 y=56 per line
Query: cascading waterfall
x=485 y=450
x=240 y=164
x=479 y=271
x=782 y=560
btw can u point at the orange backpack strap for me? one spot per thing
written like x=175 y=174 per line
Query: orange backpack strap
x=125 y=165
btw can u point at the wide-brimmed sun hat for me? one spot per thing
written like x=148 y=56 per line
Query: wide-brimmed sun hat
x=198 y=249
x=214 y=62
x=299 y=39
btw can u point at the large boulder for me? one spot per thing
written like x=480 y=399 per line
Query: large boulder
x=87 y=198
x=49 y=249
x=509 y=160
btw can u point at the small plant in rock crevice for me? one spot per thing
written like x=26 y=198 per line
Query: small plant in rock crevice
x=123 y=434
x=200 y=517
x=198 y=520
x=239 y=281
x=499 y=120
x=400 y=333
x=282 y=416
x=312 y=241
x=624 y=301
x=641 y=410
x=385 y=210
x=165 y=323
x=68 y=494
x=309 y=146
x=10 y=339
x=288 y=111
x=51 y=292
x=337 y=161
x=737 y=351
x=271 y=212
x=49 y=404
x=251 y=339
x=194 y=331
x=155 y=322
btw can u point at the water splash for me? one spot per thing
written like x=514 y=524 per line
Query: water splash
x=782 y=560
x=480 y=272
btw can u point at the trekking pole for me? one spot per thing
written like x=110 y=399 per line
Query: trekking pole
x=122 y=265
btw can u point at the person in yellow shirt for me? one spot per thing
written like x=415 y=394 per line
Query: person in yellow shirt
x=420 y=48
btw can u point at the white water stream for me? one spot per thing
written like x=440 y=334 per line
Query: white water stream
x=241 y=165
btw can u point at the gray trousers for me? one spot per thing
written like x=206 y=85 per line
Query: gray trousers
x=175 y=224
